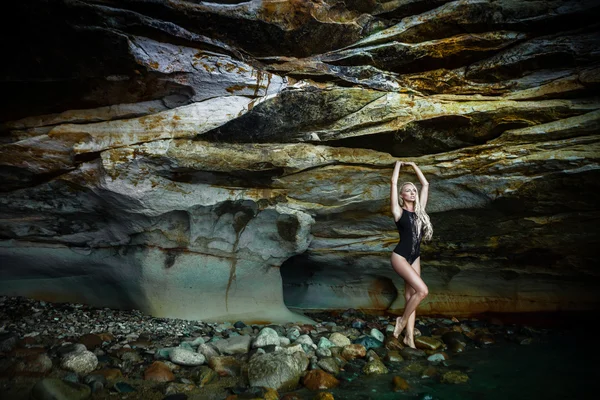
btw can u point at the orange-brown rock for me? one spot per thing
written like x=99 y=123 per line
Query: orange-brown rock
x=400 y=384
x=353 y=351
x=91 y=341
x=317 y=379
x=106 y=336
x=225 y=365
x=158 y=372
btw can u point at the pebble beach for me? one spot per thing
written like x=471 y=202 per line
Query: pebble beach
x=74 y=351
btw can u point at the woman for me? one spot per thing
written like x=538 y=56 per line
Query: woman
x=413 y=226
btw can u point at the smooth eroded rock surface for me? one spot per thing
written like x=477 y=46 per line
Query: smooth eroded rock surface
x=231 y=161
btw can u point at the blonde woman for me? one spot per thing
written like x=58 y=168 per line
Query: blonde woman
x=413 y=226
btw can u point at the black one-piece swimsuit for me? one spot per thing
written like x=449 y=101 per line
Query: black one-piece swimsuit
x=410 y=240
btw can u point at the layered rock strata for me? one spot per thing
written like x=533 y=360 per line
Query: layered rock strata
x=231 y=160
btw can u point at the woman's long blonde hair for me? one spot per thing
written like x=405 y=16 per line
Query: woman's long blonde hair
x=423 y=222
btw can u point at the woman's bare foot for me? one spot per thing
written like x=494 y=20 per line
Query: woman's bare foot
x=409 y=341
x=399 y=327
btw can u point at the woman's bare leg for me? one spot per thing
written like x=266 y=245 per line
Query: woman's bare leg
x=409 y=337
x=410 y=276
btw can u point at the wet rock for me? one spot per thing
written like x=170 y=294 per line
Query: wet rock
x=455 y=377
x=393 y=356
x=391 y=343
x=457 y=347
x=339 y=340
x=358 y=324
x=265 y=337
x=203 y=375
x=91 y=341
x=353 y=351
x=123 y=387
x=411 y=354
x=198 y=341
x=131 y=357
x=429 y=372
x=306 y=329
x=314 y=363
x=422 y=330
x=208 y=351
x=375 y=367
x=325 y=343
x=438 y=357
x=277 y=328
x=400 y=384
x=293 y=333
x=413 y=368
x=277 y=370
x=453 y=337
x=226 y=365
x=319 y=380
x=158 y=371
x=34 y=364
x=163 y=354
x=141 y=344
x=323 y=352
x=234 y=345
x=79 y=361
x=181 y=356
x=323 y=396
x=328 y=364
x=376 y=333
x=427 y=343
x=369 y=342
x=58 y=389
x=239 y=325
x=70 y=348
x=484 y=339
x=372 y=355
x=175 y=388
x=306 y=341
x=71 y=377
x=293 y=348
x=187 y=346
x=96 y=382
x=380 y=351
x=522 y=340
x=340 y=361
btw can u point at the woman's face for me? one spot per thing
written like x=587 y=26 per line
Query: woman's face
x=408 y=193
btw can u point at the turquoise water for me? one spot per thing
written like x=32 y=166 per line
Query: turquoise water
x=558 y=365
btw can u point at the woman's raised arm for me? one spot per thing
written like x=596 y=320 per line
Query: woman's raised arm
x=424 y=184
x=396 y=210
